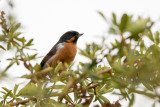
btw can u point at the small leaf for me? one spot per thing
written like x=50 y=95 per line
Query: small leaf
x=21 y=39
x=3 y=92
x=31 y=57
x=30 y=103
x=137 y=27
x=123 y=23
x=15 y=89
x=29 y=42
x=114 y=20
x=6 y=95
x=150 y=35
x=157 y=37
x=154 y=104
x=69 y=98
x=148 y=86
x=101 y=14
x=58 y=67
x=37 y=67
x=27 y=76
x=16 y=34
x=59 y=86
x=10 y=65
x=29 y=90
x=104 y=98
x=14 y=28
x=8 y=45
x=99 y=99
x=2 y=47
x=131 y=101
x=9 y=92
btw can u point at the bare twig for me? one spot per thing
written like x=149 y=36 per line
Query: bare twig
x=28 y=66
x=90 y=83
x=105 y=71
x=20 y=102
x=93 y=86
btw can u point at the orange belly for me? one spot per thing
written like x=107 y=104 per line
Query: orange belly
x=66 y=54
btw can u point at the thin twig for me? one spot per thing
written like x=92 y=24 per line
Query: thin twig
x=90 y=83
x=93 y=86
x=28 y=66
x=105 y=71
x=20 y=102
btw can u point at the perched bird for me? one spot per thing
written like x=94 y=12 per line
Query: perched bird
x=64 y=50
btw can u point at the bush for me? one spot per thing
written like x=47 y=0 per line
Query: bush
x=133 y=68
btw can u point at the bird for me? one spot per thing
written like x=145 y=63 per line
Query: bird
x=63 y=51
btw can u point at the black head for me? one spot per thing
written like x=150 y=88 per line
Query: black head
x=70 y=36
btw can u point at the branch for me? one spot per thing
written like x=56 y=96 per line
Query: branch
x=93 y=86
x=67 y=100
x=105 y=71
x=26 y=65
x=20 y=102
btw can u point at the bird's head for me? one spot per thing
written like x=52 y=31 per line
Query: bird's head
x=70 y=37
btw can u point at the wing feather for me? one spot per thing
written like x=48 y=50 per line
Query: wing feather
x=51 y=53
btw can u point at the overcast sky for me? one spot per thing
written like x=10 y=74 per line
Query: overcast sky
x=47 y=20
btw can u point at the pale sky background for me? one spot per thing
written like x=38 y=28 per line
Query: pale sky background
x=47 y=20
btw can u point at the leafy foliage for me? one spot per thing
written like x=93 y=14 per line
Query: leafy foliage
x=133 y=68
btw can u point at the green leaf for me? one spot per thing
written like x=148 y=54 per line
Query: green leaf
x=3 y=92
x=148 y=86
x=31 y=57
x=154 y=104
x=9 y=92
x=30 y=90
x=102 y=15
x=75 y=97
x=2 y=47
x=114 y=20
x=104 y=98
x=112 y=30
x=15 y=89
x=37 y=67
x=16 y=34
x=30 y=104
x=150 y=95
x=6 y=95
x=150 y=35
x=99 y=99
x=18 y=99
x=27 y=76
x=123 y=23
x=79 y=101
x=59 y=86
x=2 y=37
x=131 y=101
x=21 y=39
x=29 y=43
x=69 y=98
x=9 y=66
x=58 y=67
x=8 y=45
x=156 y=37
x=137 y=27
x=14 y=28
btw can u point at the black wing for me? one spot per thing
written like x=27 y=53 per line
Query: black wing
x=51 y=53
